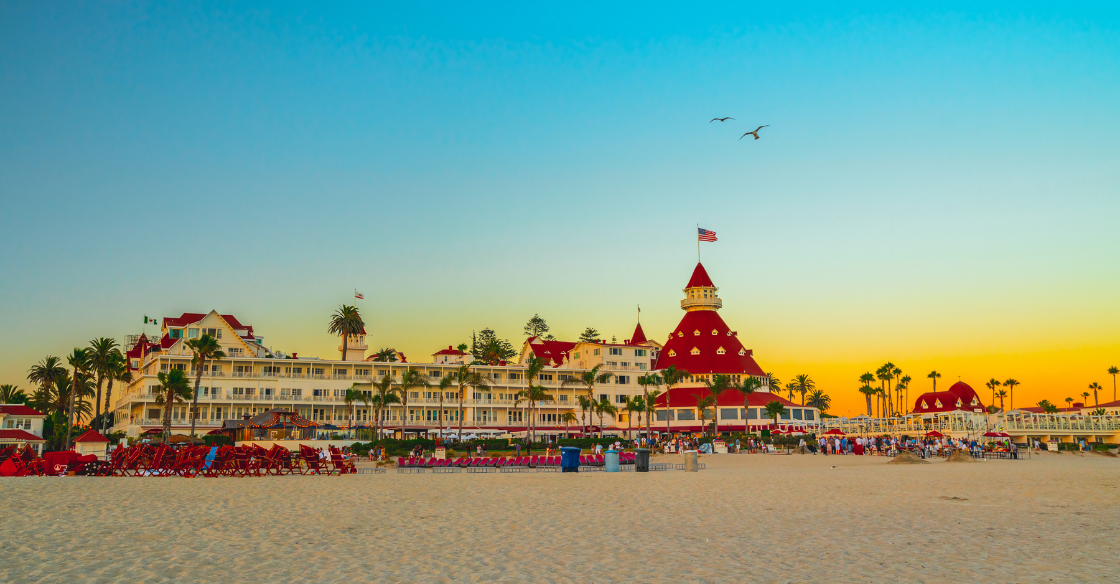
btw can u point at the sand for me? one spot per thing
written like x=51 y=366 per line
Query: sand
x=746 y=518
x=908 y=458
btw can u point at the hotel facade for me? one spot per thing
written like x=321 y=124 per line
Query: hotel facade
x=252 y=379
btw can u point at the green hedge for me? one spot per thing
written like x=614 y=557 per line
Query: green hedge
x=217 y=440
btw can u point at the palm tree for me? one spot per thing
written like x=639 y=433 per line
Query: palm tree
x=1011 y=383
x=46 y=372
x=1001 y=394
x=885 y=375
x=1099 y=412
x=634 y=405
x=589 y=379
x=603 y=407
x=671 y=376
x=749 y=385
x=533 y=367
x=903 y=387
x=444 y=384
x=897 y=389
x=1096 y=397
x=118 y=371
x=651 y=407
x=366 y=398
x=1047 y=407
x=717 y=385
x=346 y=323
x=992 y=384
x=791 y=388
x=646 y=381
x=773 y=383
x=702 y=405
x=353 y=395
x=584 y=405
x=410 y=379
x=384 y=395
x=1113 y=371
x=775 y=409
x=385 y=355
x=805 y=384
x=535 y=395
x=465 y=377
x=1085 y=396
x=204 y=347
x=867 y=392
x=567 y=418
x=174 y=387
x=1069 y=401
x=79 y=362
x=102 y=352
x=10 y=394
x=818 y=399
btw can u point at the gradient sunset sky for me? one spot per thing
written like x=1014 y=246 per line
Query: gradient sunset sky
x=936 y=188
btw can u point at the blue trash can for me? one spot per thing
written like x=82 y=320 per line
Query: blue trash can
x=569 y=459
x=611 y=461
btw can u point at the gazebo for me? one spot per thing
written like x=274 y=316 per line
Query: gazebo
x=275 y=424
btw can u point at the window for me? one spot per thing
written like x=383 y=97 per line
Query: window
x=319 y=392
x=639 y=352
x=785 y=415
x=615 y=351
x=729 y=413
x=661 y=415
x=192 y=333
x=622 y=379
x=681 y=334
x=563 y=399
x=809 y=415
x=213 y=332
x=317 y=371
x=235 y=351
x=362 y=372
x=270 y=370
x=695 y=351
x=720 y=351
x=620 y=399
x=797 y=414
x=545 y=377
x=515 y=416
x=604 y=397
x=752 y=414
x=575 y=355
x=515 y=376
x=135 y=363
x=175 y=333
x=268 y=392
x=564 y=377
x=596 y=352
x=641 y=366
x=686 y=414
x=672 y=353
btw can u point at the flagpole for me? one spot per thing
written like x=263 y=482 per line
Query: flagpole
x=697 y=243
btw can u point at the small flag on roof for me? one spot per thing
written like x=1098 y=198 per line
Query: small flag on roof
x=359 y=295
x=705 y=235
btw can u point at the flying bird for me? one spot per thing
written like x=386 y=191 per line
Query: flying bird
x=754 y=133
x=719 y=120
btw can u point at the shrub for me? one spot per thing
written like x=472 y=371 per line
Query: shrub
x=217 y=440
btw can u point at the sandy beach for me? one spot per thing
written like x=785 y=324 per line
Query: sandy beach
x=745 y=518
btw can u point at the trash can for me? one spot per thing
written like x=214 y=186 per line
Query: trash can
x=611 y=461
x=569 y=459
x=690 y=464
x=641 y=460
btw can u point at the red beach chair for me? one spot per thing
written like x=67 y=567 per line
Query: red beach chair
x=600 y=460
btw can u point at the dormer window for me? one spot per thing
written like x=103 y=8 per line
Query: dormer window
x=975 y=401
x=715 y=332
x=696 y=332
x=729 y=333
x=672 y=353
x=680 y=334
x=720 y=351
x=937 y=403
x=695 y=351
x=742 y=352
x=959 y=402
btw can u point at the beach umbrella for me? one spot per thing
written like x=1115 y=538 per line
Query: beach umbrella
x=213 y=432
x=993 y=434
x=834 y=432
x=935 y=434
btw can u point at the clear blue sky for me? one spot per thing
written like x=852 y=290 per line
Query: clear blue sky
x=932 y=182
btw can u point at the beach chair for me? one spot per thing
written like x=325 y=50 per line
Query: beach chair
x=341 y=464
x=498 y=462
x=584 y=461
x=600 y=460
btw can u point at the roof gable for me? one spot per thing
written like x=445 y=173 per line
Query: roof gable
x=700 y=278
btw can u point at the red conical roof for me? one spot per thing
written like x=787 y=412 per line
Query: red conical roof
x=639 y=335
x=703 y=343
x=700 y=278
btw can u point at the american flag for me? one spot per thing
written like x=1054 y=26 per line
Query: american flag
x=705 y=235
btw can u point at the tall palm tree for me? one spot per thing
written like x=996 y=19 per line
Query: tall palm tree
x=885 y=375
x=588 y=379
x=773 y=383
x=805 y=384
x=867 y=392
x=992 y=384
x=897 y=373
x=716 y=386
x=902 y=386
x=1085 y=397
x=634 y=405
x=410 y=379
x=584 y=405
x=384 y=395
x=1010 y=384
x=10 y=394
x=1096 y=397
x=173 y=387
x=533 y=367
x=535 y=395
x=604 y=407
x=46 y=372
x=1113 y=371
x=79 y=362
x=791 y=388
x=118 y=371
x=444 y=384
x=204 y=348
x=102 y=352
x=651 y=407
x=646 y=381
x=702 y=405
x=867 y=379
x=366 y=399
x=672 y=376
x=818 y=399
x=1069 y=401
x=1001 y=394
x=346 y=323
x=749 y=385
x=775 y=409
x=352 y=396
x=466 y=377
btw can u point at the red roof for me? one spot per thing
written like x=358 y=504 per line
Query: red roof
x=449 y=351
x=91 y=435
x=686 y=397
x=166 y=342
x=700 y=278
x=193 y=317
x=19 y=410
x=22 y=435
x=638 y=337
x=958 y=397
x=555 y=352
x=695 y=345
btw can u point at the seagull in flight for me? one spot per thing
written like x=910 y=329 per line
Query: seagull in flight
x=720 y=120
x=754 y=133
